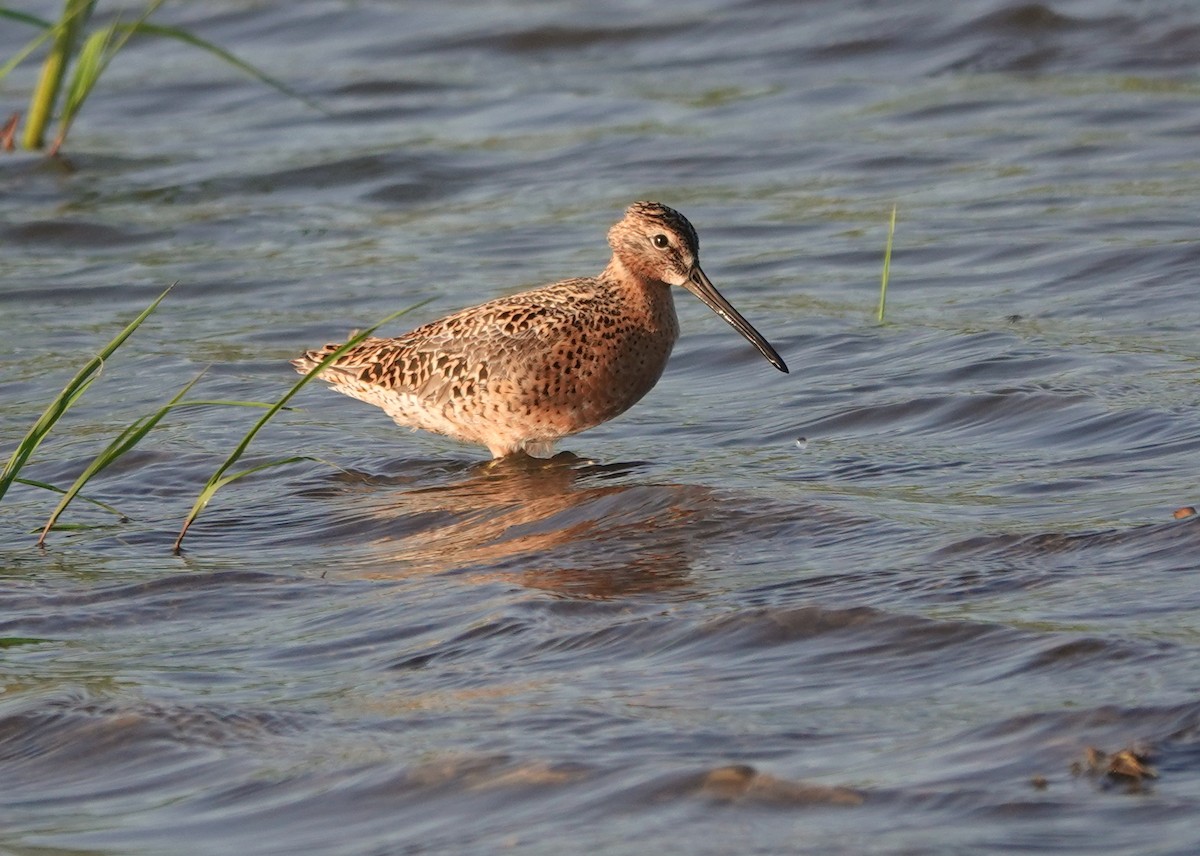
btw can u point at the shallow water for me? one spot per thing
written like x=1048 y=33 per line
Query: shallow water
x=898 y=635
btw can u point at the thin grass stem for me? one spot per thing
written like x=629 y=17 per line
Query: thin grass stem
x=887 y=266
x=77 y=386
x=25 y=18
x=23 y=54
x=91 y=60
x=143 y=27
x=45 y=95
x=56 y=489
x=97 y=52
x=129 y=438
x=121 y=444
x=219 y=478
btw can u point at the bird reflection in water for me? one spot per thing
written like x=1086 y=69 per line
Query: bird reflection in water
x=560 y=525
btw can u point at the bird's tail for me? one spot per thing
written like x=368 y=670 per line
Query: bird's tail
x=309 y=360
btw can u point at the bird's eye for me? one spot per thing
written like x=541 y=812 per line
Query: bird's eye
x=662 y=241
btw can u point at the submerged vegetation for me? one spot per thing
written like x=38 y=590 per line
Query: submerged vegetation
x=142 y=426
x=87 y=54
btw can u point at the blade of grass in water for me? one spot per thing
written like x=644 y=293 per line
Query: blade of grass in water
x=97 y=52
x=45 y=95
x=56 y=489
x=219 y=479
x=887 y=265
x=21 y=55
x=129 y=438
x=77 y=386
x=25 y=18
x=192 y=39
x=123 y=442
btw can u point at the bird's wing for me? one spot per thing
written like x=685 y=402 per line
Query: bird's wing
x=467 y=348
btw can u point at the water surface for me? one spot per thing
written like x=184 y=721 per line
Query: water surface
x=899 y=635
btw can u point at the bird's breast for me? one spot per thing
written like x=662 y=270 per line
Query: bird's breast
x=619 y=352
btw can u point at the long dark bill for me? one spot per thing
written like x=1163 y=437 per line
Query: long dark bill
x=699 y=285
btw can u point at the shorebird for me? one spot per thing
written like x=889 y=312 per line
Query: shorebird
x=518 y=373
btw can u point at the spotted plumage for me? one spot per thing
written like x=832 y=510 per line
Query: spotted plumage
x=520 y=372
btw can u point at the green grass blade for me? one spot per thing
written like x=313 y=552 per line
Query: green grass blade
x=257 y=468
x=182 y=35
x=123 y=442
x=21 y=55
x=226 y=402
x=25 y=18
x=213 y=486
x=34 y=436
x=97 y=52
x=45 y=95
x=69 y=395
x=887 y=266
x=89 y=65
x=219 y=479
x=56 y=489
